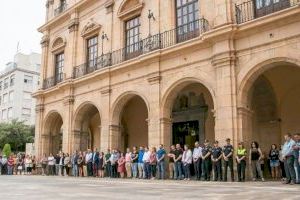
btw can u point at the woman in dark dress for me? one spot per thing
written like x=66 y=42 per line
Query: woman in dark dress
x=101 y=165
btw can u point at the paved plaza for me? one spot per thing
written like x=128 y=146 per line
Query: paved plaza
x=44 y=188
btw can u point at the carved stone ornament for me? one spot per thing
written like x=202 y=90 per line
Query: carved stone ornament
x=45 y=41
x=129 y=8
x=109 y=4
x=73 y=25
x=39 y=108
x=90 y=28
x=58 y=44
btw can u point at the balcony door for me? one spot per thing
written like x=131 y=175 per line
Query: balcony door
x=265 y=7
x=59 y=67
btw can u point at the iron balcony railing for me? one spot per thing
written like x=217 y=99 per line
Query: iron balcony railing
x=60 y=9
x=52 y=81
x=149 y=44
x=252 y=9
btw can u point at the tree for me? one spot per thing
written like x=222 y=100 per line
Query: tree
x=6 y=150
x=17 y=134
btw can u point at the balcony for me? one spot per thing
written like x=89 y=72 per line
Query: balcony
x=254 y=9
x=52 y=81
x=60 y=9
x=149 y=44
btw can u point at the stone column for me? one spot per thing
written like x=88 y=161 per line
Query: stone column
x=223 y=13
x=75 y=145
x=67 y=122
x=155 y=136
x=45 y=144
x=166 y=132
x=225 y=97
x=72 y=45
x=245 y=117
x=44 y=59
x=39 y=127
x=114 y=136
x=105 y=132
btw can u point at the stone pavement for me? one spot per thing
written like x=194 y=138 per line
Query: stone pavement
x=46 y=188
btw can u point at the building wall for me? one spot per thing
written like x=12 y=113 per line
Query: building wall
x=226 y=60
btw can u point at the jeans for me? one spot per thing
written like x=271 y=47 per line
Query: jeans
x=147 y=170
x=10 y=170
x=75 y=170
x=108 y=169
x=51 y=169
x=256 y=167
x=297 y=170
x=229 y=164
x=218 y=170
x=241 y=168
x=289 y=169
x=141 y=168
x=197 y=168
x=134 y=170
x=178 y=170
x=56 y=169
x=161 y=169
x=187 y=171
x=61 y=170
x=153 y=171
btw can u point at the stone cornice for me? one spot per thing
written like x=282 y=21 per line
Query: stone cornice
x=154 y=79
x=105 y=91
x=39 y=108
x=45 y=41
x=69 y=100
x=223 y=59
x=73 y=25
x=109 y=4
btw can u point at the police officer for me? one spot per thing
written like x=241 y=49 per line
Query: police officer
x=228 y=159
x=206 y=160
x=216 y=157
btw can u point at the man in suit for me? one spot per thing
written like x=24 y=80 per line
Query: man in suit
x=74 y=160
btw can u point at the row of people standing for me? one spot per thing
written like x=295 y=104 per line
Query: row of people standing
x=17 y=164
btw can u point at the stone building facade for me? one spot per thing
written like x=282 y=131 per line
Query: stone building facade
x=119 y=73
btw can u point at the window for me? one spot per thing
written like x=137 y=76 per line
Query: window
x=187 y=12
x=11 y=96
x=28 y=79
x=26 y=111
x=5 y=98
x=265 y=7
x=92 y=52
x=10 y=113
x=5 y=83
x=59 y=67
x=132 y=28
x=4 y=114
x=12 y=80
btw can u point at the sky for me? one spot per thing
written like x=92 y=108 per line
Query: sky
x=19 y=20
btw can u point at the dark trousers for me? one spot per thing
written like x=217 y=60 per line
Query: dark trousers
x=198 y=168
x=241 y=168
x=95 y=169
x=206 y=169
x=153 y=171
x=114 y=173
x=289 y=169
x=51 y=170
x=218 y=170
x=108 y=169
x=229 y=164
x=178 y=170
x=147 y=170
x=187 y=170
x=90 y=169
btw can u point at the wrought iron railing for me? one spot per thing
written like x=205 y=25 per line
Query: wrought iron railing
x=60 y=9
x=252 y=9
x=149 y=44
x=52 y=81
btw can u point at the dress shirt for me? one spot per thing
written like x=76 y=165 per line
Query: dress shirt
x=197 y=153
x=287 y=149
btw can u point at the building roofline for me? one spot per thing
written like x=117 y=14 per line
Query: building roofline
x=18 y=69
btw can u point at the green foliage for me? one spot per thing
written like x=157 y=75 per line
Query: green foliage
x=6 y=150
x=17 y=134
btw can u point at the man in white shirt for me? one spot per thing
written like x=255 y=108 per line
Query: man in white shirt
x=197 y=160
x=89 y=163
x=51 y=165
x=146 y=160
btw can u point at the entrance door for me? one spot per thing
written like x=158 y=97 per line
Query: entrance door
x=186 y=133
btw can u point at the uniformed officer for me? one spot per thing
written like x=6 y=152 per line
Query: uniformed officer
x=228 y=159
x=206 y=159
x=216 y=157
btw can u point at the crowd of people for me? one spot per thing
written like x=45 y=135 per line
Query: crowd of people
x=204 y=162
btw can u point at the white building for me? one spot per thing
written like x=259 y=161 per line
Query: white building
x=17 y=82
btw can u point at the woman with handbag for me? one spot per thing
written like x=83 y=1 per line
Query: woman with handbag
x=67 y=164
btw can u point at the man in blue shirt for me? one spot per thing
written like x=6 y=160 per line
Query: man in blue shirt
x=141 y=163
x=289 y=159
x=160 y=156
x=296 y=154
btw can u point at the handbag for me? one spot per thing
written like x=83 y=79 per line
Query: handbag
x=20 y=167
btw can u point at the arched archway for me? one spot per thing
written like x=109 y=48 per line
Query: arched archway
x=189 y=105
x=87 y=127
x=130 y=115
x=52 y=137
x=270 y=94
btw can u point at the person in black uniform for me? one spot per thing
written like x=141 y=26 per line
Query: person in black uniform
x=216 y=157
x=228 y=159
x=206 y=160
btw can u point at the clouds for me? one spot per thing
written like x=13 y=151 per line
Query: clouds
x=19 y=21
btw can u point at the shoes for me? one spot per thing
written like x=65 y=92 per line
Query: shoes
x=262 y=179
x=292 y=183
x=254 y=179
